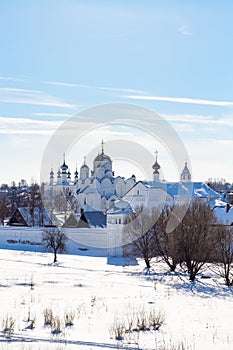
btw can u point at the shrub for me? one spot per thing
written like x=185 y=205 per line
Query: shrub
x=118 y=329
x=130 y=322
x=142 y=320
x=156 y=319
x=48 y=317
x=8 y=326
x=56 y=325
x=69 y=318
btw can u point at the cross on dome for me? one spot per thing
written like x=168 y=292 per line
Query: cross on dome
x=102 y=143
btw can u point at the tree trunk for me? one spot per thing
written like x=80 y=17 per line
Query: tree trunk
x=192 y=276
x=55 y=256
x=147 y=261
x=172 y=268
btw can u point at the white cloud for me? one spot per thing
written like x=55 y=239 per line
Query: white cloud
x=11 y=79
x=183 y=127
x=199 y=119
x=33 y=97
x=52 y=114
x=188 y=118
x=224 y=142
x=27 y=126
x=127 y=90
x=180 y=100
x=184 y=30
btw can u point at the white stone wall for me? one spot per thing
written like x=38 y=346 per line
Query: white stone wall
x=107 y=241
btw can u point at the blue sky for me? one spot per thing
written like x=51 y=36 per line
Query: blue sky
x=61 y=57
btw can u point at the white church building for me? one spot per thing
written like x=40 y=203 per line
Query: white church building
x=98 y=190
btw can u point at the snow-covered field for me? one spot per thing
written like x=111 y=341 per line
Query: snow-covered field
x=103 y=293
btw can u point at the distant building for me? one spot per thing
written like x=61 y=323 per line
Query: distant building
x=36 y=217
x=92 y=219
x=224 y=213
x=119 y=213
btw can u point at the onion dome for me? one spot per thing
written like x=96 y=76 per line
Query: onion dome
x=84 y=164
x=64 y=167
x=51 y=173
x=156 y=166
x=76 y=173
x=101 y=156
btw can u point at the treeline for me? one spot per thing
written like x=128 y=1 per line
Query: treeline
x=21 y=195
x=34 y=196
x=219 y=185
x=198 y=239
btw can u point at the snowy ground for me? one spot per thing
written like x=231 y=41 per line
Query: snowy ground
x=101 y=293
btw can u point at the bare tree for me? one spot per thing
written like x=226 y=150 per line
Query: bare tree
x=140 y=236
x=54 y=239
x=166 y=244
x=225 y=254
x=4 y=211
x=35 y=201
x=60 y=203
x=196 y=238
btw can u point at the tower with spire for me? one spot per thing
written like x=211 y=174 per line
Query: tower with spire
x=64 y=174
x=156 y=168
x=76 y=175
x=102 y=164
x=185 y=176
x=51 y=177
x=59 y=181
x=84 y=171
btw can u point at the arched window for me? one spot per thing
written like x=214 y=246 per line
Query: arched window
x=119 y=221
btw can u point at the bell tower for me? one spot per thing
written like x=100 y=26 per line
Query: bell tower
x=185 y=176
